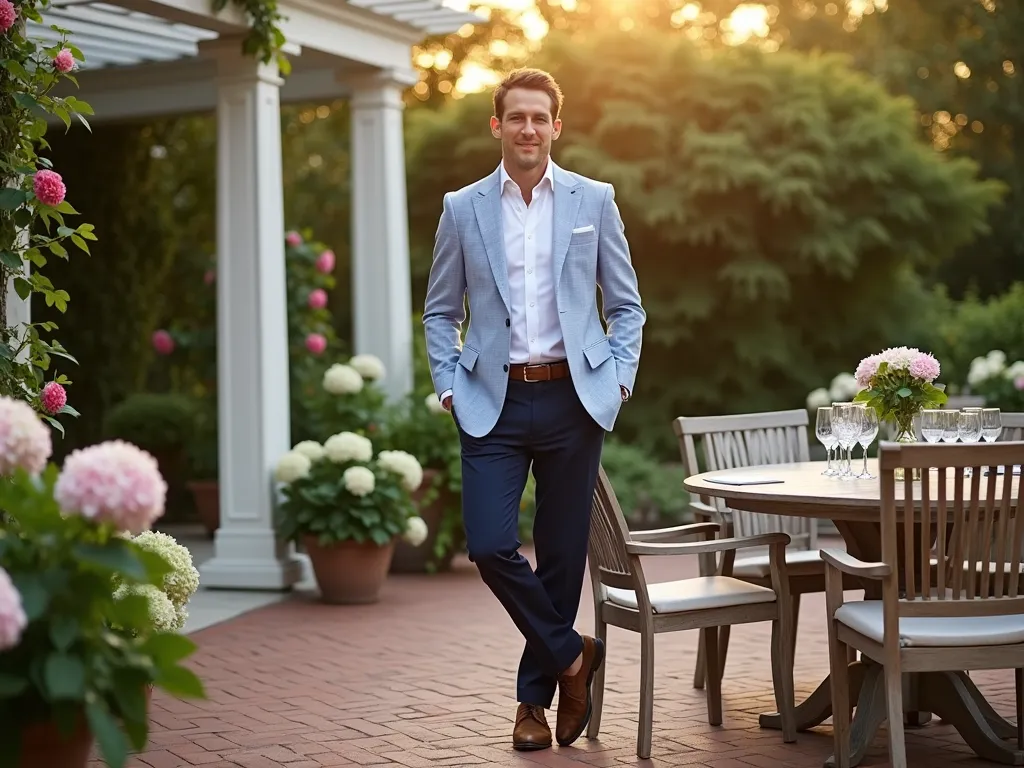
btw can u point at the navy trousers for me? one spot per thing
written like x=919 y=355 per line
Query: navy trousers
x=543 y=425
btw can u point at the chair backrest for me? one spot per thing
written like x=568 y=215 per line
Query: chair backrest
x=609 y=563
x=747 y=440
x=964 y=401
x=1013 y=428
x=972 y=526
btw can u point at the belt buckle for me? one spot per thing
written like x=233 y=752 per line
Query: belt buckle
x=526 y=373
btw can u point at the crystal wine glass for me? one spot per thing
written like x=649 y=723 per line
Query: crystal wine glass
x=991 y=424
x=846 y=424
x=969 y=429
x=950 y=425
x=932 y=425
x=826 y=436
x=868 y=433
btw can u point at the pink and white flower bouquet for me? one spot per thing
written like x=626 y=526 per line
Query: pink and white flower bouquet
x=898 y=383
x=75 y=655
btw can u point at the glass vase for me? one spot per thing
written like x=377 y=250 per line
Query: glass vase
x=905 y=435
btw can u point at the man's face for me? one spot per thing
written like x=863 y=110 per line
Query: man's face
x=527 y=129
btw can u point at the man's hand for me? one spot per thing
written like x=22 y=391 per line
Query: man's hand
x=625 y=393
x=447 y=403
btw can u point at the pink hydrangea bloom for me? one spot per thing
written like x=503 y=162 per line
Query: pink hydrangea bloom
x=868 y=367
x=325 y=262
x=24 y=439
x=114 y=482
x=49 y=188
x=293 y=239
x=8 y=15
x=12 y=615
x=925 y=367
x=317 y=298
x=64 y=61
x=163 y=342
x=1018 y=383
x=316 y=343
x=53 y=397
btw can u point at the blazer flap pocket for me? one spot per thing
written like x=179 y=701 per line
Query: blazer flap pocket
x=468 y=357
x=599 y=352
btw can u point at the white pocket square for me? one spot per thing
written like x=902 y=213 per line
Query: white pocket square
x=581 y=230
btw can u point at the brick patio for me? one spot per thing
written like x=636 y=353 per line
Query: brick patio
x=426 y=676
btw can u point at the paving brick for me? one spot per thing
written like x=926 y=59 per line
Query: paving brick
x=427 y=676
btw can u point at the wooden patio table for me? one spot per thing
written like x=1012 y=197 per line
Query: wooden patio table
x=854 y=506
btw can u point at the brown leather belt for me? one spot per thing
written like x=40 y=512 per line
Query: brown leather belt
x=538 y=371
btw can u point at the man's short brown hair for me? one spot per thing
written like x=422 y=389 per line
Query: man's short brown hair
x=532 y=79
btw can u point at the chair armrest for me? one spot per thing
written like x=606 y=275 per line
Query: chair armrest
x=847 y=563
x=705 y=547
x=705 y=510
x=675 y=533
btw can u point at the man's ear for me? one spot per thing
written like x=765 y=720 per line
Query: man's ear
x=495 y=127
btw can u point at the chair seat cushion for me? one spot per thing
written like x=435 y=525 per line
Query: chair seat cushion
x=799 y=562
x=866 y=618
x=694 y=594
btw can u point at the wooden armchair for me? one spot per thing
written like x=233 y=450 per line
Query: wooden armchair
x=746 y=440
x=932 y=623
x=623 y=598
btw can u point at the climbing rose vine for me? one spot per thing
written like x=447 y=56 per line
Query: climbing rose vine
x=33 y=201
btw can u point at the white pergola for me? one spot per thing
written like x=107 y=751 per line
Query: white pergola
x=159 y=57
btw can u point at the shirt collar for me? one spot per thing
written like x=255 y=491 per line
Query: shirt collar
x=549 y=175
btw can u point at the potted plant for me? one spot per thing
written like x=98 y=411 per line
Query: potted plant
x=76 y=661
x=350 y=398
x=426 y=430
x=348 y=507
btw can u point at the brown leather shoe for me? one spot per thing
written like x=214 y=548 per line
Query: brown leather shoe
x=532 y=730
x=574 y=701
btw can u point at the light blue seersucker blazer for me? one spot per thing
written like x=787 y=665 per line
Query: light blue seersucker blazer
x=590 y=251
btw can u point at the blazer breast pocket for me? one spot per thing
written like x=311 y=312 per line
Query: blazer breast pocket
x=583 y=235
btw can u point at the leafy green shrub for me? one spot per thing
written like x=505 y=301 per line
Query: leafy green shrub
x=156 y=422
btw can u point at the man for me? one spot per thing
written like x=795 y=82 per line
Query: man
x=537 y=382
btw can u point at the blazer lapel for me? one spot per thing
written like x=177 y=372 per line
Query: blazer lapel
x=568 y=195
x=487 y=206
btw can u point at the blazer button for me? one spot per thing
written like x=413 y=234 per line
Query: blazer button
x=507 y=322
x=505 y=368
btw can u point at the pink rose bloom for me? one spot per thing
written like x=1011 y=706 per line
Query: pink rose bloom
x=316 y=343
x=49 y=188
x=325 y=262
x=113 y=482
x=7 y=15
x=163 y=342
x=317 y=298
x=24 y=439
x=294 y=239
x=924 y=367
x=12 y=615
x=868 y=367
x=1019 y=383
x=53 y=397
x=64 y=61
x=210 y=277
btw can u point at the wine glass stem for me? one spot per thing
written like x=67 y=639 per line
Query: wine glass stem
x=864 y=448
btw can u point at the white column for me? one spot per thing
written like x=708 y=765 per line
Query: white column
x=381 y=289
x=252 y=328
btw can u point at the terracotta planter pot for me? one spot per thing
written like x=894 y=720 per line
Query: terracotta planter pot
x=206 y=494
x=43 y=747
x=348 y=572
x=410 y=559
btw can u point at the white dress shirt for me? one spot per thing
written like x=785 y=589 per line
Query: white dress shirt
x=536 y=335
x=529 y=231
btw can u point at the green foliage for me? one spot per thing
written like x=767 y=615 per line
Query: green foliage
x=321 y=505
x=264 y=38
x=964 y=330
x=31 y=230
x=153 y=422
x=83 y=651
x=650 y=493
x=777 y=207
